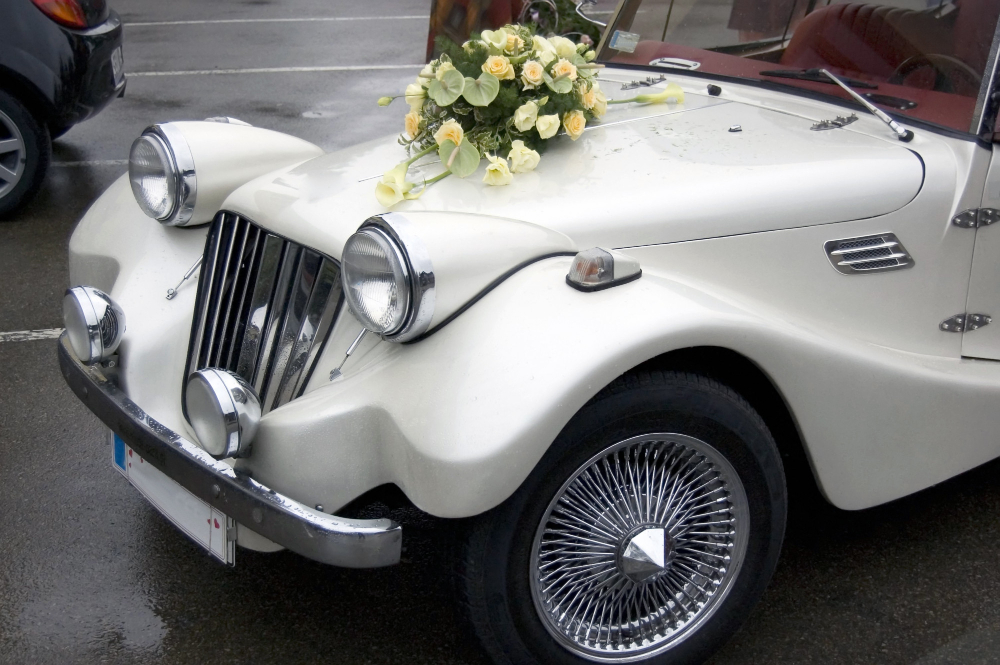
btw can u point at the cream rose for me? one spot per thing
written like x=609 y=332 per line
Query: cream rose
x=415 y=95
x=565 y=48
x=588 y=98
x=522 y=158
x=574 y=122
x=525 y=116
x=411 y=121
x=450 y=130
x=427 y=73
x=499 y=66
x=547 y=125
x=497 y=172
x=532 y=74
x=564 y=68
x=514 y=44
x=442 y=68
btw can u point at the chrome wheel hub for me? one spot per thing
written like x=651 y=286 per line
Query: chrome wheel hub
x=646 y=554
x=639 y=547
x=12 y=155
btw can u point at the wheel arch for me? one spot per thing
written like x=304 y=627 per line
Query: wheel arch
x=758 y=388
x=28 y=94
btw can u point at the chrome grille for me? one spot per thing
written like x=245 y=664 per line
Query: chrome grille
x=265 y=307
x=868 y=254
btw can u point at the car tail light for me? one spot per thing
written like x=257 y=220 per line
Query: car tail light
x=77 y=14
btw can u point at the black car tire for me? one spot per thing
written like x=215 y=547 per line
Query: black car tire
x=35 y=154
x=496 y=565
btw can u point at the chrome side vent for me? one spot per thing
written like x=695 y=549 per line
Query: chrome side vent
x=265 y=307
x=866 y=254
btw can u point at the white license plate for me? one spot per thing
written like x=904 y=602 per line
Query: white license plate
x=117 y=65
x=201 y=522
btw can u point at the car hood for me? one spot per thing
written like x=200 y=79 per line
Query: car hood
x=644 y=175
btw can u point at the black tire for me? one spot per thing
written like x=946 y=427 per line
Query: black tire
x=16 y=121
x=495 y=583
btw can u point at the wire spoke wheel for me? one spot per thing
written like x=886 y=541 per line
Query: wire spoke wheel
x=639 y=547
x=12 y=154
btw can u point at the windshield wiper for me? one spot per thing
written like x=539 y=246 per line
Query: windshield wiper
x=814 y=75
x=902 y=134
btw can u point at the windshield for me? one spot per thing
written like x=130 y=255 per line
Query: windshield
x=923 y=59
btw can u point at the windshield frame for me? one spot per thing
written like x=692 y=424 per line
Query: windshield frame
x=984 y=116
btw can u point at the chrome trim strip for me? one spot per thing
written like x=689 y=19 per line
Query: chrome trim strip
x=317 y=314
x=263 y=373
x=248 y=278
x=283 y=364
x=234 y=264
x=339 y=541
x=260 y=306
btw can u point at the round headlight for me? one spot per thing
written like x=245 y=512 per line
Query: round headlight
x=223 y=411
x=161 y=172
x=376 y=281
x=153 y=177
x=94 y=323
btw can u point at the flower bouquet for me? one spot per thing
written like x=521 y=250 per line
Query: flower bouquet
x=502 y=95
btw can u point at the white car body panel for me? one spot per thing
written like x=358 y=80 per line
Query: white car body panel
x=729 y=233
x=984 y=296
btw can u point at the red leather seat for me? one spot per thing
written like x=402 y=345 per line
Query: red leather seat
x=868 y=41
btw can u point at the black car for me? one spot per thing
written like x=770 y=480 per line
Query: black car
x=60 y=63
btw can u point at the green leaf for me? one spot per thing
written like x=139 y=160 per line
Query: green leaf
x=560 y=85
x=481 y=91
x=466 y=159
x=447 y=90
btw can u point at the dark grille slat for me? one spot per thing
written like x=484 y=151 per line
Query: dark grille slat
x=206 y=281
x=320 y=286
x=322 y=312
x=223 y=283
x=279 y=305
x=240 y=313
x=265 y=308
x=260 y=307
x=235 y=285
x=301 y=286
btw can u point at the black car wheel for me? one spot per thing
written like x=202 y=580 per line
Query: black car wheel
x=644 y=535
x=25 y=150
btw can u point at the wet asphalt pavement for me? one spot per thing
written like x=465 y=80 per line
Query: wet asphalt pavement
x=91 y=573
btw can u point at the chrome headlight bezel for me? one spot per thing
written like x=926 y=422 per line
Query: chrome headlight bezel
x=178 y=168
x=94 y=323
x=399 y=233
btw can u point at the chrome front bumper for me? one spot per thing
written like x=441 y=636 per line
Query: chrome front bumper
x=326 y=538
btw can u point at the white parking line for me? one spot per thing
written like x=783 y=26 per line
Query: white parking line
x=316 y=19
x=275 y=70
x=94 y=162
x=30 y=335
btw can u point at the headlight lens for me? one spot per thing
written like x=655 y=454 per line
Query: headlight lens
x=153 y=177
x=376 y=281
x=94 y=323
x=161 y=172
x=223 y=410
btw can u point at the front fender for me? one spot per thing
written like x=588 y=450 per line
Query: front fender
x=459 y=419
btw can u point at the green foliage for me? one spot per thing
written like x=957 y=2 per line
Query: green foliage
x=481 y=91
x=469 y=62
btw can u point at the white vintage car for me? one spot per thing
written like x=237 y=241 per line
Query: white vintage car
x=613 y=364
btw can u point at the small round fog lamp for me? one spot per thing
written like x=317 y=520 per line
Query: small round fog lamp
x=223 y=411
x=94 y=323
